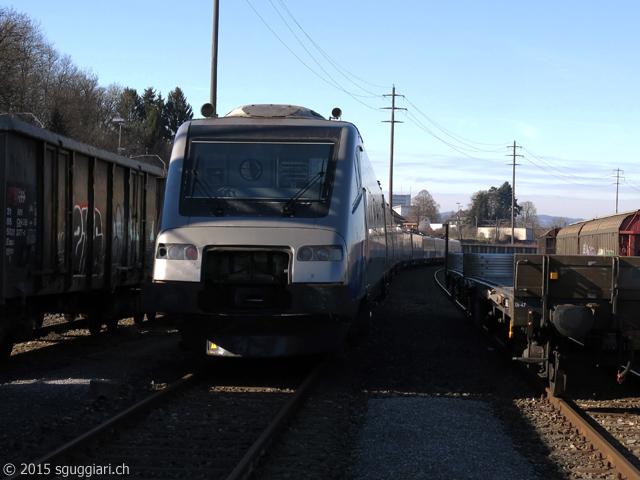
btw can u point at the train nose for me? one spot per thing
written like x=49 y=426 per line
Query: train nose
x=573 y=320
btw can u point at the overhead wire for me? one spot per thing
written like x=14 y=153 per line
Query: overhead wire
x=343 y=71
x=569 y=177
x=462 y=145
x=335 y=85
x=460 y=150
x=307 y=50
x=459 y=138
x=465 y=143
x=564 y=177
x=633 y=185
x=560 y=170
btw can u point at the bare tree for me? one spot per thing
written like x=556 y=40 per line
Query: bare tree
x=559 y=222
x=424 y=207
x=528 y=215
x=23 y=52
x=40 y=83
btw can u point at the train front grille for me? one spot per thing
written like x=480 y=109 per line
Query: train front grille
x=245 y=280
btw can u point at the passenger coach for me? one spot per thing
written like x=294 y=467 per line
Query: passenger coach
x=273 y=235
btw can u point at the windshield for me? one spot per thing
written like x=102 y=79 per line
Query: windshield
x=224 y=174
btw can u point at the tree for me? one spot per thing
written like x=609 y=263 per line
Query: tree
x=154 y=128
x=46 y=88
x=146 y=127
x=36 y=82
x=26 y=60
x=177 y=110
x=57 y=123
x=480 y=209
x=423 y=206
x=559 y=222
x=491 y=205
x=528 y=215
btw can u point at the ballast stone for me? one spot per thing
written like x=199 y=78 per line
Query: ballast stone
x=436 y=438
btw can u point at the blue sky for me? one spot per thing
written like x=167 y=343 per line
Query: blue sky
x=558 y=78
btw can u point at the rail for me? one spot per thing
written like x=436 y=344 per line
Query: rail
x=140 y=416
x=105 y=429
x=617 y=464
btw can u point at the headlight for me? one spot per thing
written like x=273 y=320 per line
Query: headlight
x=320 y=253
x=173 y=251
x=305 y=254
x=323 y=254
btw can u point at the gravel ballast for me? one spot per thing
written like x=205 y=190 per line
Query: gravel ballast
x=436 y=438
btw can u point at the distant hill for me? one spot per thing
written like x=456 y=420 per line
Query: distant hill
x=547 y=220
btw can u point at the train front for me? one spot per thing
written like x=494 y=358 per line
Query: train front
x=252 y=256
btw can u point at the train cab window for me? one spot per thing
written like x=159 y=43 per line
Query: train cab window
x=256 y=172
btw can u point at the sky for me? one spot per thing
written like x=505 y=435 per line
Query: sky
x=560 y=79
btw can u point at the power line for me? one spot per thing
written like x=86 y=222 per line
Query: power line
x=455 y=136
x=563 y=177
x=328 y=58
x=560 y=170
x=334 y=84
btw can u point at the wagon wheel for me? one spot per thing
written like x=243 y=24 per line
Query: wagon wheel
x=6 y=345
x=38 y=320
x=138 y=317
x=557 y=376
x=364 y=318
x=151 y=316
x=94 y=323
x=112 y=324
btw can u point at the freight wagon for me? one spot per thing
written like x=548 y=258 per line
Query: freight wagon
x=538 y=305
x=617 y=234
x=79 y=227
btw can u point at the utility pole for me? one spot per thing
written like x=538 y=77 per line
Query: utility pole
x=617 y=172
x=513 y=190
x=393 y=108
x=214 y=59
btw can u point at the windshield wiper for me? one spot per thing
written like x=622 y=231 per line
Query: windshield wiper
x=204 y=187
x=288 y=207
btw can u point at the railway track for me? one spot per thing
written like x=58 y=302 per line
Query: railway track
x=595 y=440
x=193 y=428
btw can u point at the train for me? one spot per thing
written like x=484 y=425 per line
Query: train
x=79 y=231
x=541 y=307
x=617 y=234
x=275 y=238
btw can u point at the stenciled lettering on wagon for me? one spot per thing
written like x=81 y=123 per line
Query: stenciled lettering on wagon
x=20 y=223
x=79 y=245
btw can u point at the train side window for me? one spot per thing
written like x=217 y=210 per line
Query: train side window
x=356 y=184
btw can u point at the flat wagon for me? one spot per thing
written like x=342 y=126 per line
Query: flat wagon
x=537 y=305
